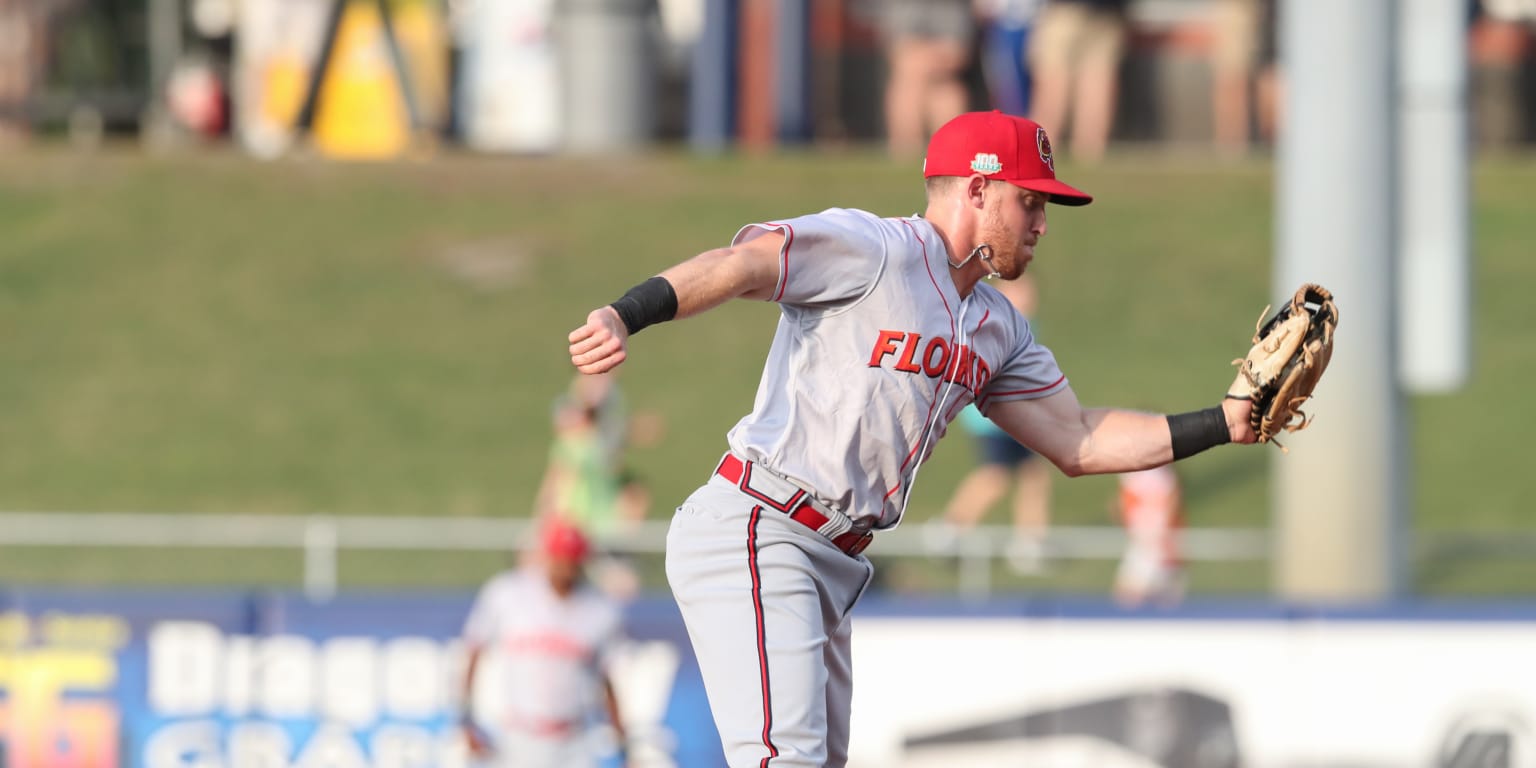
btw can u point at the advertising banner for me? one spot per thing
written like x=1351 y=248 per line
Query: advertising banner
x=1244 y=685
x=216 y=679
x=162 y=680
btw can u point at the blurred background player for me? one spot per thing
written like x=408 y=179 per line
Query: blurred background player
x=928 y=45
x=1152 y=511
x=1004 y=462
x=549 y=639
x=587 y=480
x=580 y=483
x=1075 y=57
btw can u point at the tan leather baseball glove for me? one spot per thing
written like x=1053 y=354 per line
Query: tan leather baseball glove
x=1288 y=357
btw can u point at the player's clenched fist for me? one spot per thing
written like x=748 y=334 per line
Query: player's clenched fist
x=599 y=344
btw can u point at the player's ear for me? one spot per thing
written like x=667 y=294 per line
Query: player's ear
x=976 y=191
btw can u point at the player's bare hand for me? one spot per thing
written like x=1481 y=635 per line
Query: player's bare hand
x=601 y=343
x=1237 y=412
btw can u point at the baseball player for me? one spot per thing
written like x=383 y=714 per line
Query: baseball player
x=553 y=637
x=886 y=332
x=1152 y=511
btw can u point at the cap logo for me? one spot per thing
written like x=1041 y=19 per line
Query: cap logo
x=986 y=163
x=1043 y=143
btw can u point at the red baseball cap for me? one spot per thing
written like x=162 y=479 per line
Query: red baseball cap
x=562 y=539
x=1002 y=147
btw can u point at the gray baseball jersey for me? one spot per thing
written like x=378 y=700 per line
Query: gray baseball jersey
x=874 y=355
x=545 y=658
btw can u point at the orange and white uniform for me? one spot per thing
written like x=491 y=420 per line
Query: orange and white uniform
x=1152 y=511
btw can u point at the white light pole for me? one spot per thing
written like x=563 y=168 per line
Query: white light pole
x=1339 y=497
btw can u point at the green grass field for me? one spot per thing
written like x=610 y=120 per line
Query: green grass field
x=206 y=333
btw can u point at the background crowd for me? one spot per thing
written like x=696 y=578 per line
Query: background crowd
x=375 y=78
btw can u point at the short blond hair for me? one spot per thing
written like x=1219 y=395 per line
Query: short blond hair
x=939 y=186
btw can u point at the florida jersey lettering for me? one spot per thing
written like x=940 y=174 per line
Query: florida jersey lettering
x=933 y=356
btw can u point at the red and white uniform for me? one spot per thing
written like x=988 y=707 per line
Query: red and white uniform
x=1151 y=508
x=544 y=661
x=875 y=354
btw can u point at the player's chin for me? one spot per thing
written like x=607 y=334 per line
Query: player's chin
x=1024 y=257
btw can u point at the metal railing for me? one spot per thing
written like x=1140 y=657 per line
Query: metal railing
x=321 y=537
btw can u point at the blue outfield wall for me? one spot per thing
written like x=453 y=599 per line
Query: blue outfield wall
x=105 y=678
x=177 y=679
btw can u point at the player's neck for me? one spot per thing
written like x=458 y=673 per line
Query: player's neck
x=967 y=274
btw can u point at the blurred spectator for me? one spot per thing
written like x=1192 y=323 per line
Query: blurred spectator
x=1006 y=27
x=1151 y=507
x=1502 y=40
x=20 y=43
x=1235 y=32
x=928 y=44
x=1268 y=91
x=1245 y=77
x=554 y=639
x=1075 y=56
x=1004 y=462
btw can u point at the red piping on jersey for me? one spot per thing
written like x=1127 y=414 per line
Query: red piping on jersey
x=1031 y=391
x=973 y=390
x=931 y=278
x=954 y=408
x=1051 y=385
x=927 y=263
x=789 y=240
x=762 y=637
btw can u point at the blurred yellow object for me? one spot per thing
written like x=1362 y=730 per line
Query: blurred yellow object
x=283 y=83
x=361 y=112
x=424 y=42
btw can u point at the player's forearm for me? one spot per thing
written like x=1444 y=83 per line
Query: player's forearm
x=698 y=284
x=1126 y=441
x=714 y=277
x=1122 y=441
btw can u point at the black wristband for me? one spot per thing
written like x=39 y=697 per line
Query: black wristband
x=648 y=303
x=1196 y=431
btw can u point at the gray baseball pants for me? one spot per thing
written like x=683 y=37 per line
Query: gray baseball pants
x=766 y=602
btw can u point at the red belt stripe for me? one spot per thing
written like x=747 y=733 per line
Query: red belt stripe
x=798 y=506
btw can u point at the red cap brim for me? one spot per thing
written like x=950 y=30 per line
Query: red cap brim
x=1060 y=193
